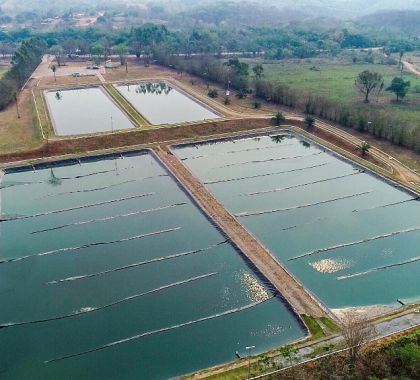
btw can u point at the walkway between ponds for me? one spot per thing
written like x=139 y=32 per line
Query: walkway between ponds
x=296 y=295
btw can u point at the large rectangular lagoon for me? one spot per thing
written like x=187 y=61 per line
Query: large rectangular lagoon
x=108 y=270
x=161 y=103
x=84 y=110
x=349 y=237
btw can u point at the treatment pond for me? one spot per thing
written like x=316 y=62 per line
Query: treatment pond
x=161 y=103
x=348 y=236
x=84 y=110
x=108 y=270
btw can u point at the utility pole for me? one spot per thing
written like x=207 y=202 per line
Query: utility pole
x=17 y=105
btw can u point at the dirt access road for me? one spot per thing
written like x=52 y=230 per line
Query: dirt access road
x=411 y=68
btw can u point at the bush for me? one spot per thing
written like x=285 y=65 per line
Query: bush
x=242 y=93
x=256 y=105
x=213 y=93
x=309 y=121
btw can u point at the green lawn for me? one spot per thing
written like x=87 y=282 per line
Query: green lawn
x=335 y=81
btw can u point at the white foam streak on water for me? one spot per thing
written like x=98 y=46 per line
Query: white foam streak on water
x=330 y=265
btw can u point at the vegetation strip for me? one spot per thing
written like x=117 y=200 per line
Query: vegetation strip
x=158 y=259
x=263 y=175
x=321 y=250
x=60 y=250
x=159 y=331
x=111 y=217
x=253 y=213
x=300 y=185
x=269 y=160
x=129 y=109
x=76 y=208
x=413 y=260
x=91 y=309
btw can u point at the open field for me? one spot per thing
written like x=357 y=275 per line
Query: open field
x=336 y=82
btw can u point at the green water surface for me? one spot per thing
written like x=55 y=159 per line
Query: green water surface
x=75 y=205
x=299 y=199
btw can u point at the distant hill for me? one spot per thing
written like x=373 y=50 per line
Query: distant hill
x=407 y=22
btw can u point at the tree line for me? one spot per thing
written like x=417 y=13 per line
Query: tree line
x=277 y=43
x=26 y=58
x=379 y=122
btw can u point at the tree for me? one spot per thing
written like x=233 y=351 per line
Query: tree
x=367 y=81
x=279 y=118
x=399 y=87
x=356 y=331
x=400 y=61
x=54 y=69
x=289 y=352
x=58 y=52
x=309 y=121
x=122 y=51
x=364 y=148
x=258 y=70
x=239 y=68
x=97 y=51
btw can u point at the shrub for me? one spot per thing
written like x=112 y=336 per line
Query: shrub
x=213 y=93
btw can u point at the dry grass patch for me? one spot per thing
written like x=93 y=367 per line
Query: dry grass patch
x=136 y=71
x=68 y=81
x=19 y=134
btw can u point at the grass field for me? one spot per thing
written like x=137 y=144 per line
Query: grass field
x=335 y=81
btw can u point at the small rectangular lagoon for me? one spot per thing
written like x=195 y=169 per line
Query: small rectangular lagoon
x=108 y=270
x=161 y=103
x=348 y=236
x=83 y=111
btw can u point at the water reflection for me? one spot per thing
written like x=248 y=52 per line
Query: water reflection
x=280 y=138
x=255 y=291
x=157 y=88
x=53 y=180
